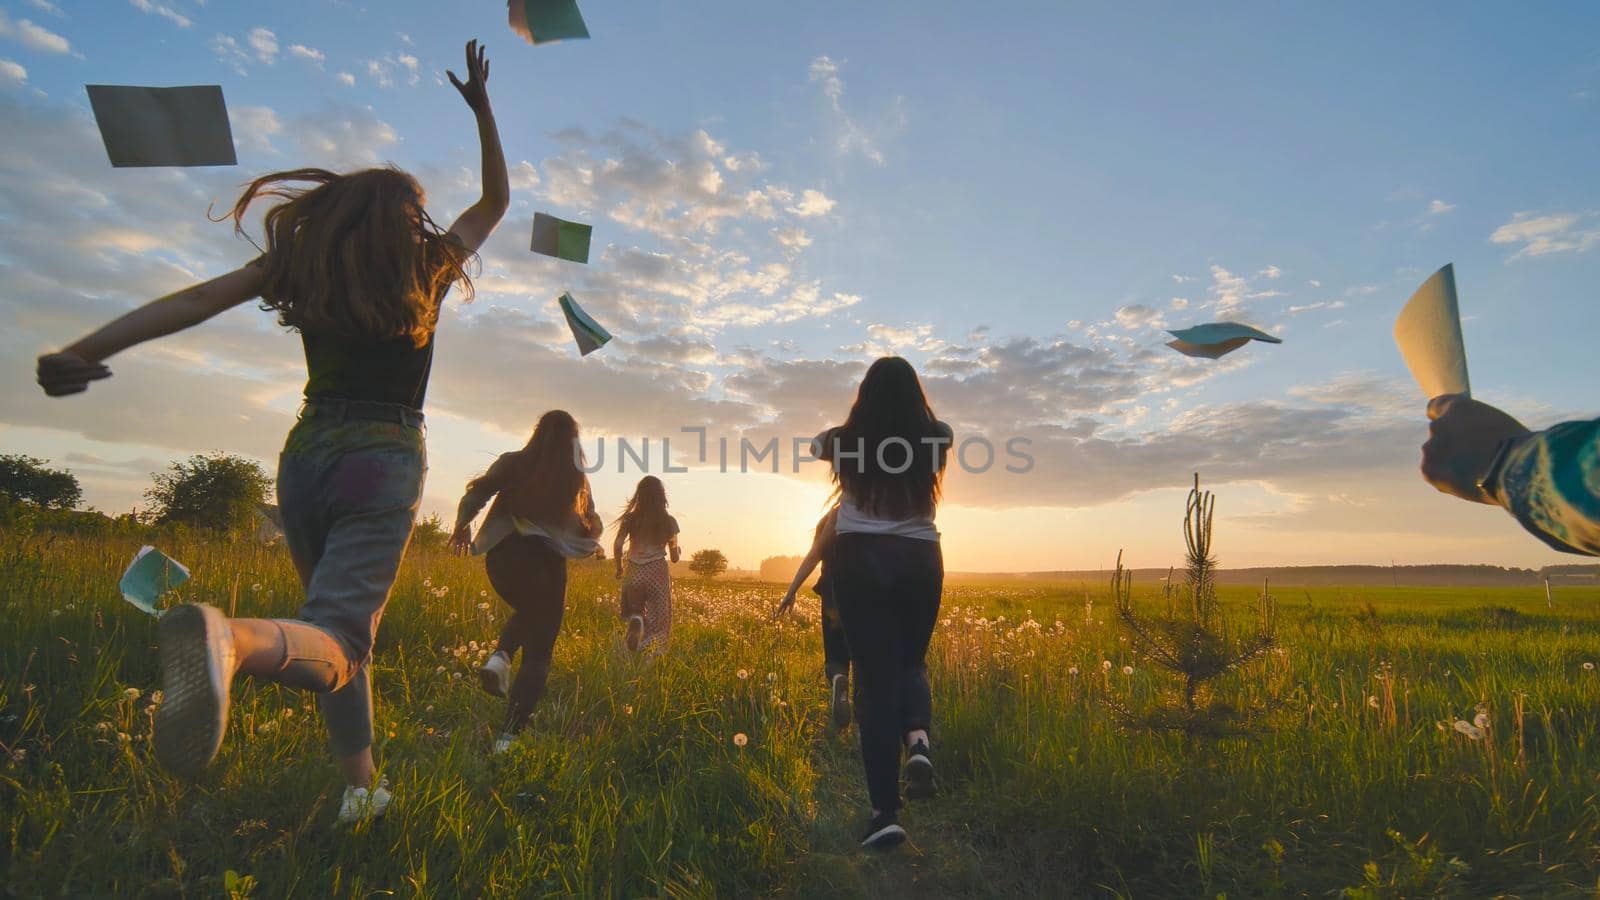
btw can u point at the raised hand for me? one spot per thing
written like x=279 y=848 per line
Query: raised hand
x=61 y=374
x=475 y=91
x=1462 y=438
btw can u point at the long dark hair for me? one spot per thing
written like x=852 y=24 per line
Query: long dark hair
x=645 y=518
x=542 y=481
x=889 y=404
x=354 y=254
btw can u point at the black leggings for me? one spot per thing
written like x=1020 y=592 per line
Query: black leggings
x=531 y=578
x=835 y=647
x=888 y=590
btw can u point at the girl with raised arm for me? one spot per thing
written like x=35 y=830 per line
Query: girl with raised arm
x=354 y=263
x=651 y=536
x=835 y=647
x=543 y=515
x=888 y=462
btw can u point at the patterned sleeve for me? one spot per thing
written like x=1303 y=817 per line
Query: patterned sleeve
x=1551 y=483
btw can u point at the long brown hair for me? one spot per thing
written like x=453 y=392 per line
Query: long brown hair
x=890 y=404
x=356 y=254
x=542 y=481
x=645 y=519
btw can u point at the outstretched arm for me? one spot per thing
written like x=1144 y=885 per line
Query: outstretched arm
x=807 y=566
x=474 y=226
x=69 y=371
x=1546 y=479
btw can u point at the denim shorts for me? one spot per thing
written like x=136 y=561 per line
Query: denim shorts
x=349 y=483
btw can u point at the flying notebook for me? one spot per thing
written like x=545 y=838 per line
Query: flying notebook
x=543 y=21
x=586 y=331
x=1429 y=334
x=560 y=238
x=1217 y=339
x=151 y=574
x=152 y=126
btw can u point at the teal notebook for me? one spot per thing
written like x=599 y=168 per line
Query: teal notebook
x=586 y=331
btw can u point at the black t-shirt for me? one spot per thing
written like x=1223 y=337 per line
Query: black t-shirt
x=392 y=370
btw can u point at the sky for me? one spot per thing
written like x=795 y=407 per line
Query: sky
x=1019 y=202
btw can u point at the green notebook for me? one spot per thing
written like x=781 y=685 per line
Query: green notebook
x=543 y=21
x=586 y=331
x=560 y=238
x=151 y=574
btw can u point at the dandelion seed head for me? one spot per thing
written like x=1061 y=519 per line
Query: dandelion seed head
x=1127 y=670
x=743 y=674
x=739 y=740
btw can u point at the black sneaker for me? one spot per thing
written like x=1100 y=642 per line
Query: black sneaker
x=919 y=772
x=841 y=702
x=883 y=832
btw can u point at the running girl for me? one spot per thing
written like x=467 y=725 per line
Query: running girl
x=354 y=263
x=543 y=515
x=835 y=649
x=651 y=535
x=888 y=462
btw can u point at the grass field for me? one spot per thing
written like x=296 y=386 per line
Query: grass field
x=630 y=782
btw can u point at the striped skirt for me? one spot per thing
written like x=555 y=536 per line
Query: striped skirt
x=647 y=592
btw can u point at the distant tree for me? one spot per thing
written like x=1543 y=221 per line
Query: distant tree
x=430 y=533
x=26 y=478
x=708 y=563
x=780 y=568
x=217 y=491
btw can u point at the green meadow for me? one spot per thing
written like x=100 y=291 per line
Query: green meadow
x=711 y=771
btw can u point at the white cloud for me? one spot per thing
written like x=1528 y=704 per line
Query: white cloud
x=346 y=79
x=1139 y=316
x=13 y=73
x=812 y=203
x=339 y=136
x=524 y=176
x=851 y=137
x=1541 y=235
x=1180 y=302
x=1310 y=307
x=254 y=127
x=411 y=64
x=165 y=12
x=1270 y=272
x=48 y=7
x=228 y=51
x=311 y=54
x=34 y=37
x=264 y=43
x=1439 y=207
x=792 y=238
x=379 y=73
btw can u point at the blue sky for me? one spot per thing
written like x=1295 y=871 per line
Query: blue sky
x=1018 y=201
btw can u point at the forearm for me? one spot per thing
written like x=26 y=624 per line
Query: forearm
x=158 y=318
x=807 y=566
x=496 y=181
x=471 y=503
x=1551 y=483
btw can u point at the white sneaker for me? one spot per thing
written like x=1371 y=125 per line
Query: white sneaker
x=197 y=666
x=495 y=674
x=362 y=805
x=502 y=744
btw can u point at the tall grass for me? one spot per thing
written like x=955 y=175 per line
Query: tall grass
x=629 y=781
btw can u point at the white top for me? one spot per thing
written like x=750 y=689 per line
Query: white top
x=565 y=540
x=853 y=521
